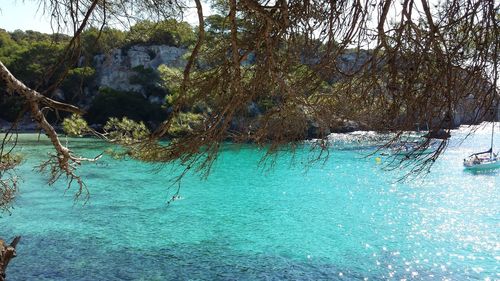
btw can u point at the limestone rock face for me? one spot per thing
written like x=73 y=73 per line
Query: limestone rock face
x=115 y=69
x=352 y=62
x=170 y=56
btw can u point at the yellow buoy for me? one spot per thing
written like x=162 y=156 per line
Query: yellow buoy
x=378 y=160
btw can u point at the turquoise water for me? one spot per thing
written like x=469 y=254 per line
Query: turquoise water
x=345 y=219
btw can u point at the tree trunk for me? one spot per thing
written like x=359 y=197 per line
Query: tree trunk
x=7 y=252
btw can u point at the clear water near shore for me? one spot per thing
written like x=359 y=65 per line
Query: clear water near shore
x=345 y=219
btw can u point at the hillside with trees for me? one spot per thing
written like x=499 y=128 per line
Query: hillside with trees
x=141 y=69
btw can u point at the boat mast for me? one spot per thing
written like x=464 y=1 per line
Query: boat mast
x=495 y=95
x=495 y=117
x=492 y=135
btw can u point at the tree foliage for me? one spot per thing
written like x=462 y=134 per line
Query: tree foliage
x=167 y=32
x=132 y=105
x=75 y=126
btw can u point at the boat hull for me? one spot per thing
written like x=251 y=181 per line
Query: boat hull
x=484 y=166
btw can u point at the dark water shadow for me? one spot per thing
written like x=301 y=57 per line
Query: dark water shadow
x=65 y=257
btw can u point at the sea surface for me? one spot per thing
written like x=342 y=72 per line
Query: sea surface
x=346 y=218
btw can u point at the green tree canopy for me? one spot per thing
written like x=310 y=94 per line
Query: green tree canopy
x=167 y=32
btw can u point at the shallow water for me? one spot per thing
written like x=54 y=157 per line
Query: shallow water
x=345 y=219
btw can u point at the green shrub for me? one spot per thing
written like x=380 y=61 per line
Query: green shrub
x=185 y=123
x=75 y=126
x=112 y=103
x=168 y=32
x=150 y=81
x=74 y=83
x=10 y=106
x=95 y=41
x=125 y=131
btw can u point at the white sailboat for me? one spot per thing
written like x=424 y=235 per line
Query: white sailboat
x=485 y=160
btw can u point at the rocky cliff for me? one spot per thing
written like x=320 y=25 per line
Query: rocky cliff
x=115 y=69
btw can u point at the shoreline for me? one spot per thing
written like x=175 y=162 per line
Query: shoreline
x=352 y=136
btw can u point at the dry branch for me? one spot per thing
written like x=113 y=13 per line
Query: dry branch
x=7 y=253
x=64 y=162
